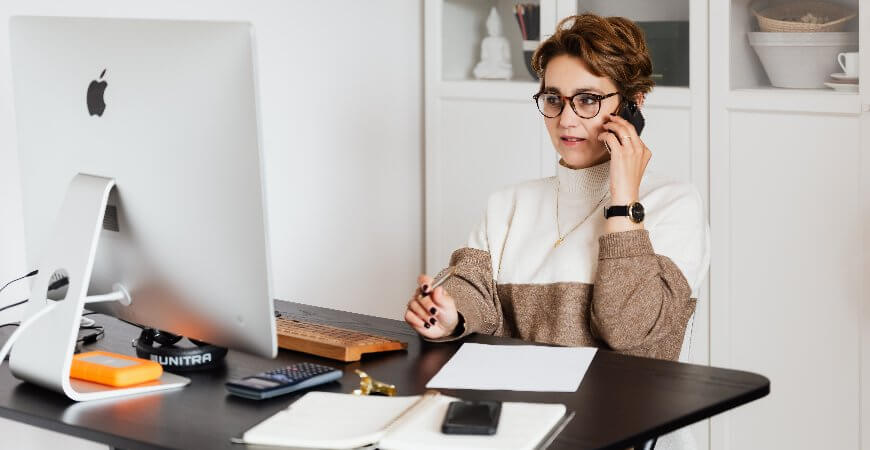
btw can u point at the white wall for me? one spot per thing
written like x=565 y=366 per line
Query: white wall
x=341 y=114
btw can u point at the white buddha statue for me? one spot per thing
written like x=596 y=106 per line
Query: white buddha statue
x=495 y=52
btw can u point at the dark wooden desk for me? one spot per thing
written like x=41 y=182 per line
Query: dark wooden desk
x=621 y=402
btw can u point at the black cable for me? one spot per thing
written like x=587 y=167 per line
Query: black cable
x=87 y=339
x=84 y=340
x=51 y=287
x=141 y=327
x=93 y=337
x=32 y=273
x=59 y=283
x=14 y=304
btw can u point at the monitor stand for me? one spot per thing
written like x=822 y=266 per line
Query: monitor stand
x=43 y=351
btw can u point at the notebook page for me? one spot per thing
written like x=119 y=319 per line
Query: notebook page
x=329 y=420
x=521 y=426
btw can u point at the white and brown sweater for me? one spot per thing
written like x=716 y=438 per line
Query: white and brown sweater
x=632 y=292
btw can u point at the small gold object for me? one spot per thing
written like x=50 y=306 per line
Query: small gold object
x=370 y=386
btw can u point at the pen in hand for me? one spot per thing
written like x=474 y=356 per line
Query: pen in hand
x=439 y=281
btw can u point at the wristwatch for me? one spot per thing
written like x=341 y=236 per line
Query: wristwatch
x=634 y=211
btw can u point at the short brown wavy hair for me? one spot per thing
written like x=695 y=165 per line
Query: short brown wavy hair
x=610 y=46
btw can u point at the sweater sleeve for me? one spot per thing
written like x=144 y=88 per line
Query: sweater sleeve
x=473 y=285
x=642 y=299
x=474 y=291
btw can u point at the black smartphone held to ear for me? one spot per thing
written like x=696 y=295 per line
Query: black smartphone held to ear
x=630 y=112
x=472 y=417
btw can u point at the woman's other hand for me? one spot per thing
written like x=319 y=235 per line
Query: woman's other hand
x=629 y=157
x=433 y=316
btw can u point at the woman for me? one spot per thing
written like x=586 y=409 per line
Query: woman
x=545 y=264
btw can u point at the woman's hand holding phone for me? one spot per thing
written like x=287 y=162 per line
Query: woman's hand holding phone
x=431 y=312
x=629 y=157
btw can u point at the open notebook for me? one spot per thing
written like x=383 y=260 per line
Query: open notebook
x=342 y=421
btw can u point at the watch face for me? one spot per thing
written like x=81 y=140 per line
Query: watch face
x=636 y=212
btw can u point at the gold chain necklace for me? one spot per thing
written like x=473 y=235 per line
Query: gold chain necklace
x=561 y=237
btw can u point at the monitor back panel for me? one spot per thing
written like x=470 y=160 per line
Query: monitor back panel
x=186 y=227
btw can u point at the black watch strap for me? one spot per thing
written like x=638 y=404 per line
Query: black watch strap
x=614 y=211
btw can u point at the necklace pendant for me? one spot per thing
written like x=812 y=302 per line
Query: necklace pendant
x=558 y=242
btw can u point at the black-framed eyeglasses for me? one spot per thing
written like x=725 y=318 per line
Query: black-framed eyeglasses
x=585 y=104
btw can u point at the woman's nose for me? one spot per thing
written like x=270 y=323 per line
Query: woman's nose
x=568 y=118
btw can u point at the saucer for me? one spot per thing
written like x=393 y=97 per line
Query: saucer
x=843 y=77
x=843 y=87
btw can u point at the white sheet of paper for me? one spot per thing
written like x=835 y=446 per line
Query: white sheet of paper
x=514 y=368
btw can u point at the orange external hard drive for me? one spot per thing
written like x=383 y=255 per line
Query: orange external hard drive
x=114 y=369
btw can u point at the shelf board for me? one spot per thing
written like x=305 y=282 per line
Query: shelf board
x=502 y=90
x=522 y=91
x=825 y=101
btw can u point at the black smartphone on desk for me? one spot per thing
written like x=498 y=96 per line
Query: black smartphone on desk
x=472 y=417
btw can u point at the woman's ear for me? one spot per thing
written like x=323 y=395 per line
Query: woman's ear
x=639 y=98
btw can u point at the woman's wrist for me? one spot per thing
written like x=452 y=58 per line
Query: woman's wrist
x=619 y=224
x=623 y=198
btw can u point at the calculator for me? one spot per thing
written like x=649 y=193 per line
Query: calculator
x=282 y=381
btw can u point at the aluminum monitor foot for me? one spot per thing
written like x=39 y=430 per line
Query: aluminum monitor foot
x=43 y=351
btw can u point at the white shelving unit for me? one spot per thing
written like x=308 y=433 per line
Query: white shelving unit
x=745 y=69
x=789 y=192
x=463 y=22
x=749 y=85
x=792 y=100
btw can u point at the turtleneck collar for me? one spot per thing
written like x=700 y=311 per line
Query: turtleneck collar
x=591 y=182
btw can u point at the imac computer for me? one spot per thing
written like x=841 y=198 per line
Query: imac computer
x=142 y=182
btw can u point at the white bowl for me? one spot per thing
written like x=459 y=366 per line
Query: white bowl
x=801 y=60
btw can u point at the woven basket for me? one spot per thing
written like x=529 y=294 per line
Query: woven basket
x=787 y=17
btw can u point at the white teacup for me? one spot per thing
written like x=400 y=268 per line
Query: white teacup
x=849 y=63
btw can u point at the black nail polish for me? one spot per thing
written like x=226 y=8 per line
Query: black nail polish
x=432 y=310
x=426 y=325
x=432 y=320
x=424 y=288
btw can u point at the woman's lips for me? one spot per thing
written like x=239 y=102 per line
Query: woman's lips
x=571 y=140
